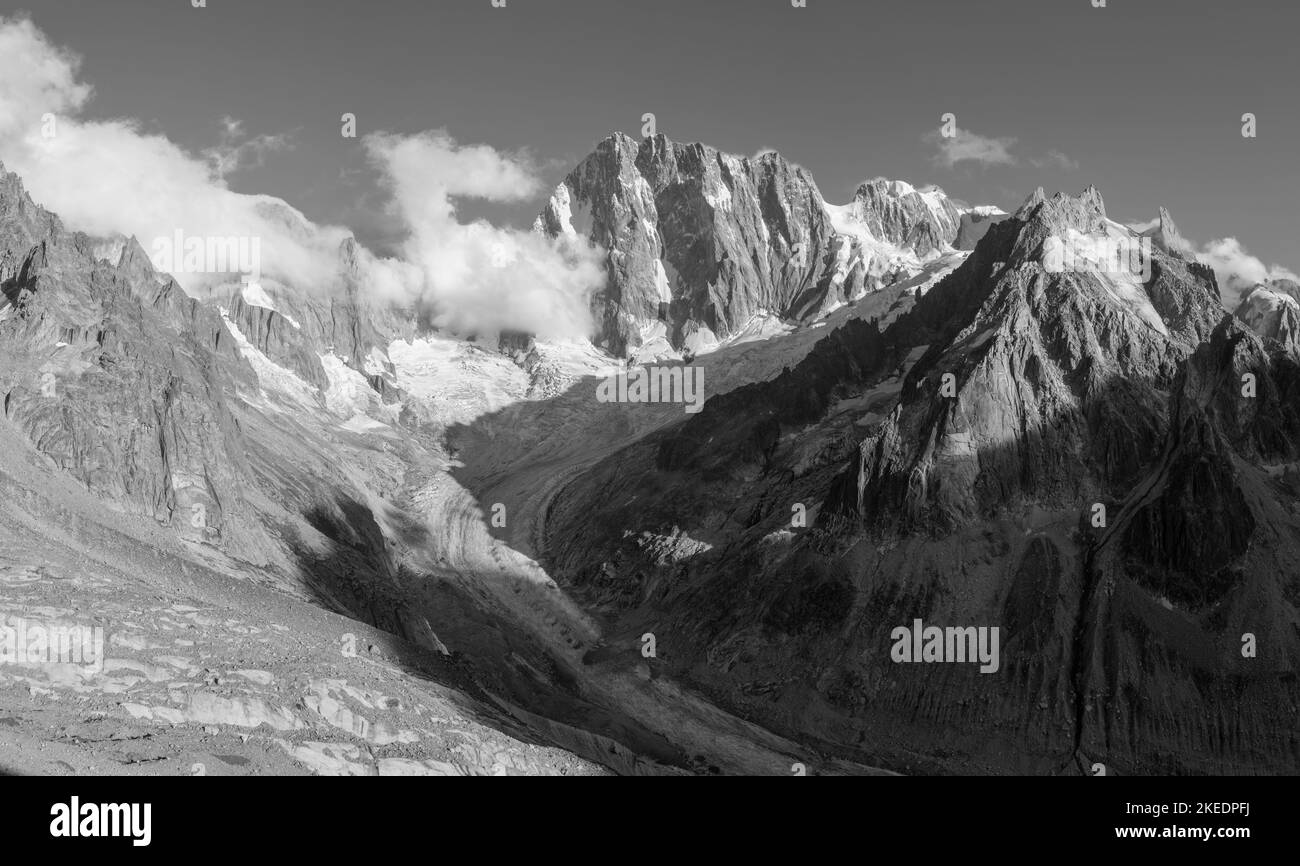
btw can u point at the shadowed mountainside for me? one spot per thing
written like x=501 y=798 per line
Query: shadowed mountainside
x=950 y=467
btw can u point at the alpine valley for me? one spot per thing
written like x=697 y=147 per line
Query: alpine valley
x=324 y=536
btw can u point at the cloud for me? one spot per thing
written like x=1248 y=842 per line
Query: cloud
x=110 y=177
x=967 y=146
x=1237 y=270
x=1056 y=159
x=477 y=276
x=37 y=74
x=237 y=150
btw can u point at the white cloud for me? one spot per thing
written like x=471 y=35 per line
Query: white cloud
x=477 y=276
x=109 y=177
x=1237 y=270
x=967 y=146
x=1056 y=159
x=38 y=76
x=238 y=150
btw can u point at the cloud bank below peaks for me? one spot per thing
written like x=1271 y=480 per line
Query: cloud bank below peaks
x=111 y=177
x=1237 y=271
x=475 y=276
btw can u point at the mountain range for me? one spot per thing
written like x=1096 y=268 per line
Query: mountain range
x=911 y=415
x=698 y=243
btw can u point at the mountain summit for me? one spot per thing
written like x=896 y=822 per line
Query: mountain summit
x=700 y=242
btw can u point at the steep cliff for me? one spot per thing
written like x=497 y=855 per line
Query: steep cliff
x=700 y=242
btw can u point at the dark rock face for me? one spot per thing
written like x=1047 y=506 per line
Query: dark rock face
x=144 y=397
x=116 y=376
x=695 y=237
x=700 y=241
x=278 y=339
x=1067 y=456
x=1212 y=532
x=896 y=213
x=136 y=390
x=1166 y=236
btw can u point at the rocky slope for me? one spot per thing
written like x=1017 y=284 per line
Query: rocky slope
x=700 y=242
x=163 y=477
x=190 y=469
x=140 y=420
x=254 y=496
x=1073 y=457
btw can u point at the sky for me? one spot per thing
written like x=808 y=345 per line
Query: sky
x=1142 y=98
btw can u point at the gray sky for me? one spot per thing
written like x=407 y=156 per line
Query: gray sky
x=1143 y=98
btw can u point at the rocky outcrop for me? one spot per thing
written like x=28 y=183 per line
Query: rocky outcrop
x=896 y=213
x=296 y=326
x=699 y=242
x=1166 y=236
x=116 y=376
x=278 y=338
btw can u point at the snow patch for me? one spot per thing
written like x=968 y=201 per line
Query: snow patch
x=376 y=363
x=256 y=295
x=1128 y=290
x=701 y=341
x=844 y=219
x=459 y=381
x=661 y=283
x=718 y=196
x=273 y=379
x=349 y=393
x=1268 y=301
x=574 y=217
x=763 y=325
x=655 y=345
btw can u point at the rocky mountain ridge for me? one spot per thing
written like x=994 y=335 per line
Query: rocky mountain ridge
x=942 y=458
x=1101 y=467
x=700 y=242
x=182 y=464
